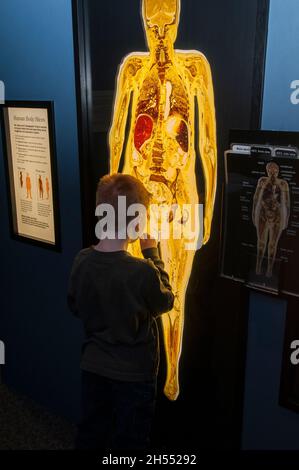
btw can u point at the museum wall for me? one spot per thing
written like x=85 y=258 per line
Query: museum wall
x=267 y=425
x=42 y=339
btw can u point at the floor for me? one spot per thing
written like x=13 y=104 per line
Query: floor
x=26 y=426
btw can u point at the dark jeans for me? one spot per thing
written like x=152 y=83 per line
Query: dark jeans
x=115 y=414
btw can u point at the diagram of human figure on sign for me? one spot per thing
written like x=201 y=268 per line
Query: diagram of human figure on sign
x=162 y=91
x=47 y=187
x=270 y=215
x=28 y=186
x=40 y=187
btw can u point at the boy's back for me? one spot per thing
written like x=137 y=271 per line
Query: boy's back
x=117 y=297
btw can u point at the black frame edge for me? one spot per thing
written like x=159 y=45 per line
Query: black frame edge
x=83 y=106
x=261 y=41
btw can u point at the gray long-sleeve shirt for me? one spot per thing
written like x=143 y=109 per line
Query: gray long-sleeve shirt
x=118 y=296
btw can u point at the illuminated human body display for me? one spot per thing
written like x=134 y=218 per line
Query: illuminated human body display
x=270 y=215
x=162 y=88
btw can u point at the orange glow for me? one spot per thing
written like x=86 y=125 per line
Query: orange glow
x=161 y=149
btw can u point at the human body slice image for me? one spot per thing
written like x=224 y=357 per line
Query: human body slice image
x=270 y=215
x=162 y=88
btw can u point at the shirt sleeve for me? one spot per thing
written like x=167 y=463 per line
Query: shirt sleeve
x=157 y=290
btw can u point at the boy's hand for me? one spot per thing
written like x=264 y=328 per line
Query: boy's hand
x=147 y=242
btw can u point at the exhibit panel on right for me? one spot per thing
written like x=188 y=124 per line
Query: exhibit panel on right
x=261 y=216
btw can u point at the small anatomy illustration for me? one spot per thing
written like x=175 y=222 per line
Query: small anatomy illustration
x=270 y=215
x=40 y=187
x=28 y=186
x=47 y=187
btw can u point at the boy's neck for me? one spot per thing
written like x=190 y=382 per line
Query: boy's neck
x=112 y=245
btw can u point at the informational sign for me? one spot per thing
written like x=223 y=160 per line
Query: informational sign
x=261 y=237
x=28 y=138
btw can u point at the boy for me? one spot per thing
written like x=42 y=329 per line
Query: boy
x=118 y=297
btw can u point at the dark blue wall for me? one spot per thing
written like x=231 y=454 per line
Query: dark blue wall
x=266 y=424
x=42 y=339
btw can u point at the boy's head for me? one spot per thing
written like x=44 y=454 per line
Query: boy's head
x=111 y=187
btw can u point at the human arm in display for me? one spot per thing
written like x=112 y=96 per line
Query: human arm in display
x=207 y=139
